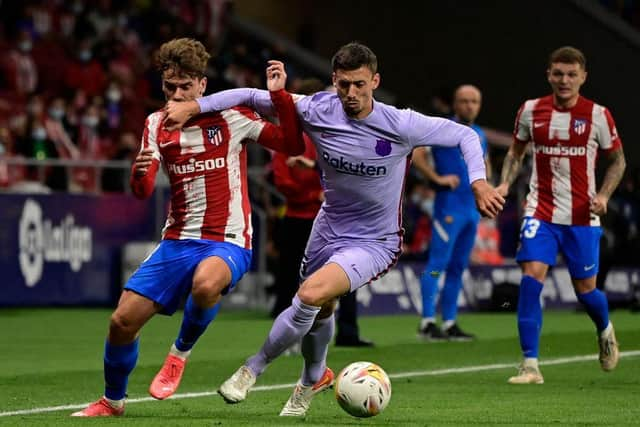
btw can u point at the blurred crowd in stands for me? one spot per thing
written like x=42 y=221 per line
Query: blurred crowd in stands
x=77 y=78
x=77 y=81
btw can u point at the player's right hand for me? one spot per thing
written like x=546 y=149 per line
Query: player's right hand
x=488 y=200
x=276 y=76
x=177 y=113
x=142 y=162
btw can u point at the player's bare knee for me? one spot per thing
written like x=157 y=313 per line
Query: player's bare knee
x=312 y=294
x=206 y=292
x=122 y=327
x=535 y=270
x=582 y=286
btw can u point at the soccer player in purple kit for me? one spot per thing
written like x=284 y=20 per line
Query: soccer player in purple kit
x=364 y=149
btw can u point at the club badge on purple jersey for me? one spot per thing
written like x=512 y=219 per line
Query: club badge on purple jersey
x=383 y=147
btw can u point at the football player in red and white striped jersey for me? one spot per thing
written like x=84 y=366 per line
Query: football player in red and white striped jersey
x=206 y=241
x=564 y=205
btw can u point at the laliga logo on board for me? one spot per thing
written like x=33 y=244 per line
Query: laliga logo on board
x=42 y=241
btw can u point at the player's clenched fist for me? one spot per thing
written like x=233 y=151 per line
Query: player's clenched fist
x=142 y=162
x=177 y=113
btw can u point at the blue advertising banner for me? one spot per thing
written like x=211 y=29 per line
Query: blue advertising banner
x=64 y=248
x=399 y=290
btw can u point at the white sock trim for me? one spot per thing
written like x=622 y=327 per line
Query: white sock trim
x=181 y=354
x=426 y=320
x=447 y=324
x=531 y=361
x=605 y=333
x=116 y=404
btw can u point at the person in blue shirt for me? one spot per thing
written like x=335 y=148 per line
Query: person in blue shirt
x=455 y=222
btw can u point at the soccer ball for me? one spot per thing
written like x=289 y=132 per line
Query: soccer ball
x=363 y=389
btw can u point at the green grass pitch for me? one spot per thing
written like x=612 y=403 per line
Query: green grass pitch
x=53 y=357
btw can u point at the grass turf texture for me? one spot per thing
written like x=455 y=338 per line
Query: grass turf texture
x=53 y=357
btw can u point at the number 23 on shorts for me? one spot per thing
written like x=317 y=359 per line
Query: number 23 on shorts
x=529 y=228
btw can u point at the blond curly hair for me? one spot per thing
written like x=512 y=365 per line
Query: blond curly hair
x=184 y=57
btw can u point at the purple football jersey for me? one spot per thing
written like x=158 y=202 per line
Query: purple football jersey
x=364 y=162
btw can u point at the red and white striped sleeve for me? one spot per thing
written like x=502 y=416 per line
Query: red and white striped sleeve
x=606 y=132
x=522 y=127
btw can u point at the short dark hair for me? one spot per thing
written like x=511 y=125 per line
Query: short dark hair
x=353 y=56
x=183 y=56
x=568 y=55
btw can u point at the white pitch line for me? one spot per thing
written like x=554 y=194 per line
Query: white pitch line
x=463 y=370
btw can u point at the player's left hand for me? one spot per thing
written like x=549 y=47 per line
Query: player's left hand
x=142 y=162
x=488 y=200
x=599 y=205
x=276 y=76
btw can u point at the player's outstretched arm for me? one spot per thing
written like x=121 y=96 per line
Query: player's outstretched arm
x=421 y=130
x=612 y=177
x=425 y=130
x=178 y=113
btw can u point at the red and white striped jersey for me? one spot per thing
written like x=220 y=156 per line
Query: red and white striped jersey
x=206 y=162
x=565 y=148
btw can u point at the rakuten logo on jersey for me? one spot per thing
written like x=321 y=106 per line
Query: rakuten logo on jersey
x=197 y=166
x=343 y=165
x=558 y=150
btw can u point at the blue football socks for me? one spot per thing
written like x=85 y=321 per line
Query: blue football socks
x=529 y=316
x=449 y=295
x=194 y=323
x=429 y=289
x=119 y=361
x=595 y=302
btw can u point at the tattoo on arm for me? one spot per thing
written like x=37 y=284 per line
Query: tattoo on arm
x=613 y=175
x=511 y=165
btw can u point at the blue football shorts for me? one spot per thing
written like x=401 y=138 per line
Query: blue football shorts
x=579 y=244
x=166 y=275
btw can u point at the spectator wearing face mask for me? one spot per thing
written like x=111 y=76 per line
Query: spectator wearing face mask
x=56 y=131
x=113 y=106
x=84 y=72
x=35 y=143
x=92 y=143
x=19 y=67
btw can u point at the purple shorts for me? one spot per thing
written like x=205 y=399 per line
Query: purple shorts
x=363 y=260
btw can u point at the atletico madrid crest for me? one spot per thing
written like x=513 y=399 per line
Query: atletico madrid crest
x=214 y=134
x=579 y=126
